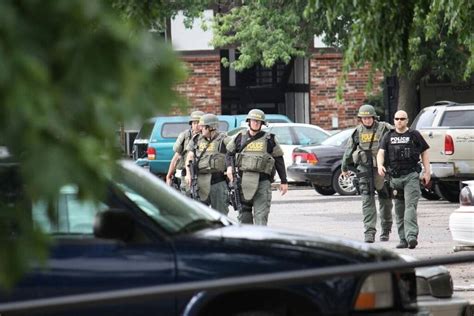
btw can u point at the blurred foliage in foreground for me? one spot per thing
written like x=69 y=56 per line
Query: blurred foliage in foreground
x=70 y=71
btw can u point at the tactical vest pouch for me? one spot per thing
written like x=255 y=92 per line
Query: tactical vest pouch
x=254 y=163
x=250 y=162
x=203 y=165
x=269 y=165
x=359 y=157
x=217 y=163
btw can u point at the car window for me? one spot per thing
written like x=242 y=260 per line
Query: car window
x=166 y=206
x=73 y=216
x=339 y=139
x=458 y=118
x=223 y=126
x=145 y=131
x=172 y=130
x=425 y=119
x=282 y=134
x=309 y=136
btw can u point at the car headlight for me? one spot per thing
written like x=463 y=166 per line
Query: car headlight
x=375 y=293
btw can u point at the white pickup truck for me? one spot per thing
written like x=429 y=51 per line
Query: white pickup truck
x=448 y=127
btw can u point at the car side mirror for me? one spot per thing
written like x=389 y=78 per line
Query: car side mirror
x=114 y=224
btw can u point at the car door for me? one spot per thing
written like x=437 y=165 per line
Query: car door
x=81 y=263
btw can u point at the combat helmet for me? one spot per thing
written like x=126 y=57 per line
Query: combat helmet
x=195 y=116
x=210 y=120
x=367 y=110
x=256 y=114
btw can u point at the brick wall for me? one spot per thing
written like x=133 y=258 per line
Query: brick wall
x=202 y=89
x=325 y=71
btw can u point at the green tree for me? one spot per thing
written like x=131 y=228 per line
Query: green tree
x=411 y=39
x=69 y=72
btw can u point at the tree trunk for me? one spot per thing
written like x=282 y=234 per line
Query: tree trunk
x=407 y=96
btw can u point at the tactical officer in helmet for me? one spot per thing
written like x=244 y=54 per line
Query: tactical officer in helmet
x=256 y=154
x=180 y=152
x=404 y=147
x=362 y=151
x=208 y=150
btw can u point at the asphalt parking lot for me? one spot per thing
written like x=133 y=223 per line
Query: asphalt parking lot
x=305 y=210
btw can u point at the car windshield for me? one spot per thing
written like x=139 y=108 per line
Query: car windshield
x=169 y=208
x=339 y=138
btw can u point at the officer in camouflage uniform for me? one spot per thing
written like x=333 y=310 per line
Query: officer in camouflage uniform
x=402 y=148
x=209 y=149
x=363 y=145
x=180 y=152
x=256 y=154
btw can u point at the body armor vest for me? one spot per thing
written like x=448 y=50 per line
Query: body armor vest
x=212 y=160
x=180 y=147
x=402 y=152
x=255 y=157
x=363 y=138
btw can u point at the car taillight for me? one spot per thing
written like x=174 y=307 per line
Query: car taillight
x=151 y=152
x=448 y=145
x=465 y=197
x=375 y=293
x=304 y=158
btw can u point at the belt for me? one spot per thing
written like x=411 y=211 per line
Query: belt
x=403 y=172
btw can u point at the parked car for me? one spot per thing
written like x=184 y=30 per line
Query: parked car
x=145 y=233
x=321 y=165
x=290 y=136
x=153 y=146
x=461 y=221
x=448 y=128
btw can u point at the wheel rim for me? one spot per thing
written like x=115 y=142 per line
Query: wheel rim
x=346 y=183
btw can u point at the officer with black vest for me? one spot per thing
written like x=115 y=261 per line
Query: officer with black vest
x=362 y=151
x=400 y=150
x=208 y=150
x=257 y=154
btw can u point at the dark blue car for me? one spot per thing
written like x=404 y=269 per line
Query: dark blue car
x=145 y=233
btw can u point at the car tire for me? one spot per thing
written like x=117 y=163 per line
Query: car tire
x=323 y=190
x=344 y=186
x=448 y=190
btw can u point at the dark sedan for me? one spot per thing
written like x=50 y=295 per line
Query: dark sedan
x=321 y=165
x=145 y=233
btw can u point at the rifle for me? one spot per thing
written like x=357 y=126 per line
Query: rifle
x=369 y=174
x=194 y=179
x=235 y=188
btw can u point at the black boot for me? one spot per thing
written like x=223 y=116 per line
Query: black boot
x=385 y=235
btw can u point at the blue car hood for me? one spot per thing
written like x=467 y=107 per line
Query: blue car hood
x=258 y=236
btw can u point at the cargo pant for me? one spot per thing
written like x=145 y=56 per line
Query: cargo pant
x=369 y=209
x=219 y=197
x=405 y=209
x=261 y=203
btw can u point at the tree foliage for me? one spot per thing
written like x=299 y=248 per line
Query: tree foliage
x=70 y=71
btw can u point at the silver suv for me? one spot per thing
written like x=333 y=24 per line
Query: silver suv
x=448 y=127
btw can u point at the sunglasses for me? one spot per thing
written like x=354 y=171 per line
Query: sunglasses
x=400 y=118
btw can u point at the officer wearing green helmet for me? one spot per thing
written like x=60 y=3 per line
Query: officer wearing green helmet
x=257 y=154
x=179 y=148
x=208 y=150
x=361 y=150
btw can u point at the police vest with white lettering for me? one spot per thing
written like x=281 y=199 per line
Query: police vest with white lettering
x=402 y=152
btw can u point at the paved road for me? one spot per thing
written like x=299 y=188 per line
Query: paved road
x=305 y=210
